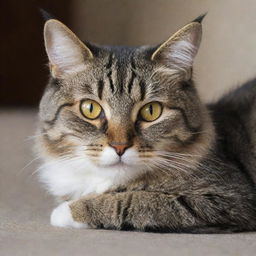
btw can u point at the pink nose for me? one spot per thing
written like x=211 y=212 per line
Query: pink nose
x=119 y=147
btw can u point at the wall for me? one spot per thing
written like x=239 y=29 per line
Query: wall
x=227 y=55
x=23 y=69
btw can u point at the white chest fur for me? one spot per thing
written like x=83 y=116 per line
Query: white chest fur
x=78 y=176
x=75 y=178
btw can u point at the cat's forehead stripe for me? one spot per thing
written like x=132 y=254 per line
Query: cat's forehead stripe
x=100 y=88
x=131 y=82
x=133 y=75
x=142 y=90
x=122 y=75
x=110 y=59
x=109 y=75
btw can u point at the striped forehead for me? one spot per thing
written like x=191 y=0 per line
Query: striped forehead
x=121 y=78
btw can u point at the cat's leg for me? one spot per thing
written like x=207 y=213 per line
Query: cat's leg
x=61 y=217
x=143 y=210
x=139 y=210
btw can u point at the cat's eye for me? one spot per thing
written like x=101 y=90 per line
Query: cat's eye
x=90 y=109
x=151 y=111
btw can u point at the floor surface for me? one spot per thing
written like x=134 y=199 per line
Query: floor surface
x=25 y=209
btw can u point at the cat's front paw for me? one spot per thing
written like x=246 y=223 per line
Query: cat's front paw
x=61 y=217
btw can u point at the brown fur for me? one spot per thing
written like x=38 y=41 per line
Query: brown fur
x=202 y=182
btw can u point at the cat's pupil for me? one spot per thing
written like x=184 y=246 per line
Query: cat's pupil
x=151 y=109
x=91 y=108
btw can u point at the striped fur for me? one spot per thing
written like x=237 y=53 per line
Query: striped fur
x=179 y=173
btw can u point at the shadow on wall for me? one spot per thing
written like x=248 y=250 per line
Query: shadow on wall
x=23 y=70
x=226 y=58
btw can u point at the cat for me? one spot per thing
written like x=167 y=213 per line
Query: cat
x=127 y=143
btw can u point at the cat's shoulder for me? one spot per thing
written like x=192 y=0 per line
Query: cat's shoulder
x=242 y=97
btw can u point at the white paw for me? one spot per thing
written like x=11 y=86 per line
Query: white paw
x=61 y=217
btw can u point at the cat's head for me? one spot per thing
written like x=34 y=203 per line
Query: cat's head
x=123 y=110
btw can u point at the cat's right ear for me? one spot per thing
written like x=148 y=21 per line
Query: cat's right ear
x=178 y=52
x=67 y=54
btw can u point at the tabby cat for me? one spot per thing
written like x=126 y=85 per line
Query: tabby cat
x=128 y=144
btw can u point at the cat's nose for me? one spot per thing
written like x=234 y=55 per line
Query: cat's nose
x=119 y=147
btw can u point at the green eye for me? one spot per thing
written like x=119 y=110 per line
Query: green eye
x=90 y=109
x=151 y=111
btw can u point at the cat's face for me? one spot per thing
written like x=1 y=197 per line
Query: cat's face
x=127 y=110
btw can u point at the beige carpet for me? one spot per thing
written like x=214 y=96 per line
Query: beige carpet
x=25 y=208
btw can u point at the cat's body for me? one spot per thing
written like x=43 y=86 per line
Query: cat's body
x=128 y=143
x=234 y=116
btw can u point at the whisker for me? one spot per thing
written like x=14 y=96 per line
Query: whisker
x=94 y=145
x=34 y=136
x=211 y=159
x=168 y=165
x=27 y=165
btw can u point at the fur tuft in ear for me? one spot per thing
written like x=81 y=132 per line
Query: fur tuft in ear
x=179 y=51
x=66 y=53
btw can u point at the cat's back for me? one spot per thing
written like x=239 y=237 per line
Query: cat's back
x=234 y=116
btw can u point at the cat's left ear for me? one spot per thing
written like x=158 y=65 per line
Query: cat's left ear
x=67 y=54
x=179 y=51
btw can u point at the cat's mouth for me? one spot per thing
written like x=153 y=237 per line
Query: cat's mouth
x=117 y=164
x=110 y=159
